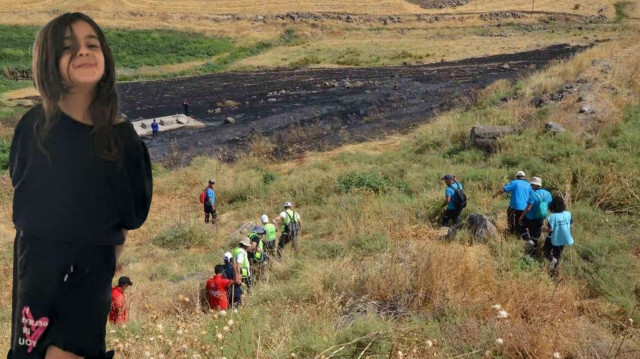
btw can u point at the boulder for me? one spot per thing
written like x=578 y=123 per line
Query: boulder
x=481 y=227
x=242 y=232
x=484 y=137
x=553 y=127
x=588 y=109
x=230 y=120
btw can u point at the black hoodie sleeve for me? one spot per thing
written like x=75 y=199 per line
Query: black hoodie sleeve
x=131 y=180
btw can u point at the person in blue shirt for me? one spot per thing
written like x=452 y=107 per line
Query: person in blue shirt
x=234 y=293
x=531 y=219
x=155 y=128
x=558 y=226
x=210 y=204
x=519 y=189
x=451 y=213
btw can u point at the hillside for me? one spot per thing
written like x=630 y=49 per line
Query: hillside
x=374 y=278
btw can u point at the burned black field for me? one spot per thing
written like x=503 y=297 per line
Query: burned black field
x=314 y=109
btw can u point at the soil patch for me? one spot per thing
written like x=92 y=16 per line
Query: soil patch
x=291 y=111
x=438 y=4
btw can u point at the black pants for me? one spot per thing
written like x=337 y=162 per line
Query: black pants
x=270 y=248
x=451 y=215
x=551 y=252
x=531 y=229
x=61 y=297
x=285 y=238
x=234 y=295
x=209 y=211
x=155 y=134
x=513 y=215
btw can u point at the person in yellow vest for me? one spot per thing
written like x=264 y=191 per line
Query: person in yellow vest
x=257 y=256
x=241 y=265
x=256 y=250
x=291 y=224
x=270 y=236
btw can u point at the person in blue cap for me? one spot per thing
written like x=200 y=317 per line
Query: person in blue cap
x=451 y=213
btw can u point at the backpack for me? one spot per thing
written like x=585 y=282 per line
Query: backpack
x=459 y=198
x=293 y=227
x=203 y=195
x=543 y=208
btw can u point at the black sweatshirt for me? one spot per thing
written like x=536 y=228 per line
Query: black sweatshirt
x=72 y=195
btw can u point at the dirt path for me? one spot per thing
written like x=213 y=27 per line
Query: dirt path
x=314 y=109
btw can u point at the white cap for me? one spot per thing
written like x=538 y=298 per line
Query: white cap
x=287 y=204
x=536 y=181
x=227 y=255
x=264 y=218
x=520 y=174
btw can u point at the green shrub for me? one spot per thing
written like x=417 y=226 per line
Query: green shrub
x=367 y=181
x=369 y=244
x=4 y=154
x=305 y=61
x=325 y=249
x=182 y=235
x=268 y=177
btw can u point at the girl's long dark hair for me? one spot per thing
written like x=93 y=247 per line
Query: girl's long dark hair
x=557 y=205
x=104 y=108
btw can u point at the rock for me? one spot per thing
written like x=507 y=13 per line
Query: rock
x=259 y=18
x=230 y=120
x=242 y=232
x=538 y=102
x=505 y=66
x=553 y=127
x=218 y=110
x=481 y=226
x=228 y=103
x=452 y=232
x=587 y=108
x=484 y=137
x=271 y=99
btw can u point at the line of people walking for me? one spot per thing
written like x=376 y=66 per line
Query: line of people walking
x=247 y=262
x=532 y=211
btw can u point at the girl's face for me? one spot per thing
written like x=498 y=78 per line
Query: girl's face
x=86 y=68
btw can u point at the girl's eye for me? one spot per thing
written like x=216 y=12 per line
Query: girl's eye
x=93 y=46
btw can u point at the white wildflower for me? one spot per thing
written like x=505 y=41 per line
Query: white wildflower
x=230 y=322
x=223 y=313
x=556 y=355
x=496 y=307
x=429 y=343
x=499 y=341
x=502 y=314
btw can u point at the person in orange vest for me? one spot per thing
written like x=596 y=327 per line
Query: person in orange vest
x=118 y=314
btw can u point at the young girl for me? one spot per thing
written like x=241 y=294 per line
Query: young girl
x=81 y=179
x=559 y=228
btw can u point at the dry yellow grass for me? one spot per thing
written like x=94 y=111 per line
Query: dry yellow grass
x=192 y=14
x=418 y=45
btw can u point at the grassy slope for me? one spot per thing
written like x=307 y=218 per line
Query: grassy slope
x=373 y=276
x=363 y=252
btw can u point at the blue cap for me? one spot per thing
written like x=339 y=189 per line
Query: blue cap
x=258 y=230
x=447 y=177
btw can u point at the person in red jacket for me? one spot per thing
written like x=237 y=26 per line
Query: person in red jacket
x=118 y=314
x=217 y=290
